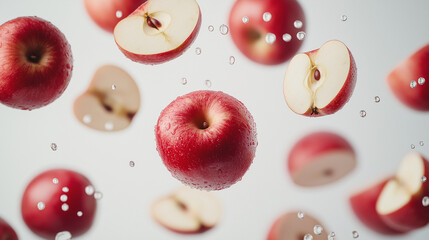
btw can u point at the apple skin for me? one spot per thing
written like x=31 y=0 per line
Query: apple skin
x=52 y=219
x=284 y=13
x=165 y=56
x=363 y=204
x=213 y=158
x=414 y=67
x=6 y=231
x=103 y=12
x=24 y=85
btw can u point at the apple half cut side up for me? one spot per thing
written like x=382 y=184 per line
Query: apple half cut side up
x=320 y=82
x=159 y=30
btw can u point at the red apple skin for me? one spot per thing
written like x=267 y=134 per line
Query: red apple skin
x=24 y=85
x=414 y=67
x=273 y=234
x=103 y=12
x=48 y=222
x=6 y=231
x=165 y=56
x=363 y=204
x=213 y=158
x=284 y=13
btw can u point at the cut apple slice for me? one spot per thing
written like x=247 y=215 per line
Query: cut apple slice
x=400 y=202
x=187 y=211
x=320 y=82
x=159 y=30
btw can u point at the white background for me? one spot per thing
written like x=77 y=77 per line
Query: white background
x=379 y=34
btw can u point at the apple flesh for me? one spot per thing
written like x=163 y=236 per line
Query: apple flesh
x=320 y=82
x=111 y=101
x=159 y=30
x=414 y=67
x=206 y=139
x=36 y=63
x=187 y=211
x=250 y=37
x=320 y=158
x=6 y=231
x=107 y=13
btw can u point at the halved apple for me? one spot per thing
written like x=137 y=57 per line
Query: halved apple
x=159 y=30
x=320 y=82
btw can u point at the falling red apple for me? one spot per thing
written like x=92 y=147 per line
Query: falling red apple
x=267 y=31
x=6 y=231
x=320 y=82
x=206 y=139
x=320 y=158
x=414 y=69
x=159 y=30
x=59 y=200
x=36 y=63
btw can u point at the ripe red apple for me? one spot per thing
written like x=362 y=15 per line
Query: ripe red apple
x=414 y=67
x=363 y=204
x=320 y=82
x=320 y=158
x=6 y=231
x=206 y=139
x=290 y=227
x=252 y=31
x=107 y=13
x=36 y=63
x=400 y=202
x=187 y=211
x=56 y=201
x=159 y=30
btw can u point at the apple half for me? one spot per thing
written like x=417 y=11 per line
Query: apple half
x=187 y=211
x=320 y=82
x=158 y=30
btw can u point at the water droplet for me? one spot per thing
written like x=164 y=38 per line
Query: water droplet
x=40 y=205
x=245 y=19
x=425 y=201
x=65 y=189
x=421 y=80
x=300 y=35
x=211 y=28
x=198 y=51
x=55 y=180
x=63 y=198
x=208 y=83
x=421 y=143
x=287 y=37
x=231 y=60
x=412 y=146
x=63 y=236
x=308 y=237
x=270 y=38
x=424 y=179
x=79 y=213
x=331 y=236
x=318 y=229
x=267 y=16
x=113 y=87
x=89 y=190
x=297 y=24
x=413 y=84
x=184 y=81
x=377 y=99
x=118 y=14
x=132 y=164
x=98 y=195
x=87 y=119
x=355 y=234
x=108 y=126
x=223 y=29
x=300 y=215
x=363 y=113
x=344 y=18
x=68 y=66
x=54 y=146
x=65 y=207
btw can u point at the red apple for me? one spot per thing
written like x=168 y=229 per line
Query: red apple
x=400 y=202
x=159 y=30
x=107 y=13
x=56 y=201
x=187 y=211
x=320 y=158
x=320 y=82
x=6 y=231
x=36 y=63
x=206 y=139
x=255 y=24
x=363 y=204
x=413 y=68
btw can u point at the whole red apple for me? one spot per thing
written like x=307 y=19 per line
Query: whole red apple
x=36 y=63
x=266 y=31
x=206 y=139
x=413 y=68
x=59 y=200
x=6 y=231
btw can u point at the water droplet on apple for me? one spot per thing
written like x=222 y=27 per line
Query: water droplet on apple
x=87 y=119
x=63 y=236
x=198 y=51
x=245 y=19
x=377 y=99
x=108 y=126
x=363 y=113
x=89 y=190
x=118 y=14
x=300 y=215
x=318 y=229
x=331 y=236
x=412 y=146
x=424 y=179
x=184 y=81
x=63 y=198
x=231 y=60
x=208 y=83
x=65 y=189
x=132 y=164
x=344 y=18
x=270 y=38
x=79 y=213
x=421 y=80
x=224 y=29
x=267 y=16
x=287 y=37
x=308 y=237
x=355 y=234
x=68 y=66
x=300 y=35
x=297 y=24
x=425 y=201
x=211 y=28
x=113 y=87
x=40 y=205
x=55 y=180
x=54 y=147
x=98 y=195
x=65 y=207
x=413 y=84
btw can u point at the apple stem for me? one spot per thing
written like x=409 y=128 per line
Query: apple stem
x=154 y=23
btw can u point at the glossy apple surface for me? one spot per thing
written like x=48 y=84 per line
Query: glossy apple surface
x=6 y=231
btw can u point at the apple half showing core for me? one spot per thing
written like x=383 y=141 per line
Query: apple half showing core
x=159 y=30
x=320 y=82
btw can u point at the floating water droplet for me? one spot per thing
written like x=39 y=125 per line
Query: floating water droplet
x=63 y=236
x=318 y=229
x=267 y=16
x=118 y=14
x=208 y=83
x=184 y=81
x=412 y=146
x=231 y=60
x=198 y=51
x=54 y=147
x=413 y=84
x=98 y=195
x=270 y=38
x=297 y=24
x=421 y=143
x=424 y=179
x=65 y=189
x=63 y=198
x=40 y=205
x=89 y=190
x=87 y=119
x=132 y=164
x=344 y=18
x=300 y=215
x=425 y=201
x=377 y=99
x=421 y=80
x=363 y=113
x=331 y=236
x=245 y=19
x=287 y=37
x=300 y=35
x=113 y=87
x=55 y=180
x=224 y=29
x=108 y=126
x=211 y=28
x=308 y=237
x=65 y=207
x=355 y=234
x=79 y=213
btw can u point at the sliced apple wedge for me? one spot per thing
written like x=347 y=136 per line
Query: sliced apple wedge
x=320 y=82
x=400 y=202
x=159 y=30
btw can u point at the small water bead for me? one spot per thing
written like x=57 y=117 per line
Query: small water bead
x=267 y=16
x=421 y=143
x=89 y=190
x=300 y=35
x=208 y=83
x=63 y=198
x=198 y=51
x=245 y=19
x=300 y=215
x=270 y=38
x=65 y=189
x=377 y=99
x=132 y=164
x=79 y=213
x=98 y=195
x=65 y=207
x=308 y=237
x=355 y=234
x=87 y=119
x=413 y=84
x=425 y=201
x=231 y=60
x=297 y=24
x=318 y=229
x=344 y=18
x=113 y=87
x=211 y=28
x=40 y=205
x=184 y=81
x=55 y=180
x=223 y=29
x=412 y=146
x=287 y=37
x=424 y=179
x=118 y=14
x=363 y=113
x=421 y=80
x=109 y=126
x=63 y=236
x=331 y=236
x=54 y=147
